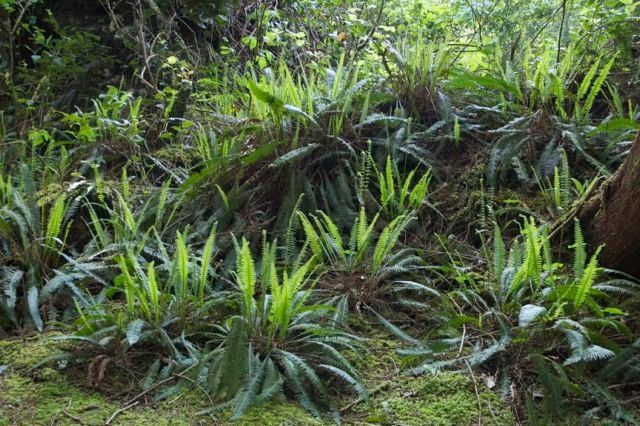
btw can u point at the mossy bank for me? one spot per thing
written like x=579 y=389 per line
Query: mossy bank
x=47 y=395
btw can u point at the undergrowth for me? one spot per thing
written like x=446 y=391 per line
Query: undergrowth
x=218 y=209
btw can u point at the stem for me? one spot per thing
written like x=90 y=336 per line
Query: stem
x=372 y=31
x=476 y=18
x=564 y=15
x=12 y=30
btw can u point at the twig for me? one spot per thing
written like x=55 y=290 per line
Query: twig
x=200 y=388
x=120 y=410
x=544 y=26
x=476 y=18
x=491 y=411
x=146 y=58
x=13 y=30
x=371 y=32
x=475 y=388
x=155 y=385
x=360 y=399
x=627 y=401
x=55 y=418
x=622 y=385
x=564 y=15
x=72 y=417
x=464 y=333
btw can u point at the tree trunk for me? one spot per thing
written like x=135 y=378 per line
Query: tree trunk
x=612 y=216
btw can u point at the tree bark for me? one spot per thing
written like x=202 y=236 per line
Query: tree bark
x=612 y=216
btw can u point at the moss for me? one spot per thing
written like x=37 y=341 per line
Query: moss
x=46 y=396
x=43 y=402
x=22 y=354
x=49 y=396
x=55 y=400
x=279 y=414
x=445 y=399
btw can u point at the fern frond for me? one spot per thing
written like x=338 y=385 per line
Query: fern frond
x=585 y=282
x=597 y=85
x=205 y=262
x=499 y=252
x=579 y=252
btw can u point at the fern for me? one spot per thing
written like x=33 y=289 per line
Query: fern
x=249 y=395
x=579 y=253
x=246 y=277
x=153 y=293
x=398 y=196
x=596 y=87
x=586 y=280
x=181 y=268
x=134 y=331
x=387 y=241
x=586 y=81
x=284 y=343
x=531 y=267
x=499 y=252
x=54 y=224
x=235 y=356
x=205 y=262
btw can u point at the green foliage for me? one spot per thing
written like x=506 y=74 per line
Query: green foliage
x=528 y=308
x=134 y=146
x=364 y=252
x=161 y=301
x=34 y=267
x=541 y=109
x=419 y=70
x=277 y=341
x=397 y=196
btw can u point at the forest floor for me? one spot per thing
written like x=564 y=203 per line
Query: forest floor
x=52 y=395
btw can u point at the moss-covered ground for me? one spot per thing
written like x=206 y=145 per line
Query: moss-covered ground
x=46 y=396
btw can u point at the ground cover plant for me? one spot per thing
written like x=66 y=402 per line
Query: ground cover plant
x=315 y=212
